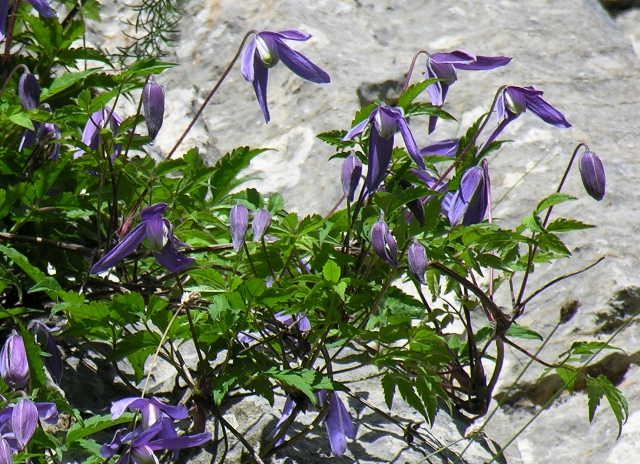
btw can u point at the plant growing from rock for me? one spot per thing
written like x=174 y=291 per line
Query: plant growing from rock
x=143 y=260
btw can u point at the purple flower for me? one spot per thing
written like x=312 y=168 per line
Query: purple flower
x=159 y=234
x=592 y=173
x=448 y=147
x=443 y=66
x=350 y=176
x=18 y=421
x=53 y=361
x=41 y=6
x=384 y=244
x=469 y=204
x=265 y=50
x=513 y=101
x=260 y=224
x=91 y=133
x=6 y=455
x=152 y=410
x=417 y=261
x=29 y=91
x=384 y=122
x=153 y=104
x=238 y=225
x=285 y=321
x=338 y=422
x=14 y=366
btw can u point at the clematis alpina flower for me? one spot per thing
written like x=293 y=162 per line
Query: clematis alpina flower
x=91 y=133
x=384 y=122
x=14 y=366
x=351 y=172
x=469 y=204
x=513 y=101
x=29 y=91
x=592 y=173
x=238 y=224
x=338 y=422
x=159 y=234
x=260 y=224
x=417 y=261
x=443 y=66
x=53 y=362
x=24 y=420
x=153 y=104
x=384 y=244
x=265 y=50
x=151 y=409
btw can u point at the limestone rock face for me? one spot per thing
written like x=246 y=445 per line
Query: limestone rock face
x=570 y=49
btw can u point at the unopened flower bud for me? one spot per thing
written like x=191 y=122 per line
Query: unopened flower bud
x=417 y=261
x=6 y=455
x=47 y=343
x=14 y=366
x=24 y=419
x=153 y=103
x=384 y=244
x=592 y=173
x=239 y=222
x=29 y=91
x=260 y=224
x=351 y=172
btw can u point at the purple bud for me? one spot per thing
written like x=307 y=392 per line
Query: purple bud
x=239 y=222
x=260 y=224
x=24 y=419
x=47 y=343
x=417 y=261
x=6 y=455
x=592 y=173
x=153 y=102
x=143 y=454
x=383 y=243
x=14 y=366
x=29 y=91
x=351 y=172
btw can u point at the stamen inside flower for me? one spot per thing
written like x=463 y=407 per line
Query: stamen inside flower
x=157 y=234
x=268 y=51
x=515 y=102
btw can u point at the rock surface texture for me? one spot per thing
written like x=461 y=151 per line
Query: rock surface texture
x=570 y=49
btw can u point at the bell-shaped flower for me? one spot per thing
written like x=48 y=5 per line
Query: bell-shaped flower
x=350 y=176
x=48 y=134
x=151 y=409
x=513 y=101
x=29 y=91
x=24 y=420
x=159 y=234
x=265 y=50
x=443 y=66
x=417 y=261
x=469 y=204
x=384 y=244
x=592 y=173
x=338 y=422
x=14 y=366
x=53 y=362
x=153 y=105
x=91 y=133
x=260 y=224
x=384 y=121
x=238 y=225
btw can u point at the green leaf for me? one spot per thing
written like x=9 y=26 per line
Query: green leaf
x=553 y=199
x=568 y=374
x=413 y=91
x=275 y=204
x=333 y=137
x=304 y=380
x=36 y=366
x=416 y=109
x=363 y=114
x=602 y=386
x=93 y=425
x=429 y=398
x=410 y=396
x=389 y=388
x=595 y=394
x=220 y=386
x=331 y=272
x=519 y=331
x=567 y=225
x=170 y=165
x=65 y=81
x=532 y=222
x=22 y=119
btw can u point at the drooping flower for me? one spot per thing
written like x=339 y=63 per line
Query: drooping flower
x=338 y=422
x=350 y=176
x=91 y=133
x=384 y=122
x=260 y=224
x=24 y=420
x=151 y=409
x=417 y=261
x=265 y=50
x=153 y=104
x=29 y=91
x=443 y=66
x=513 y=101
x=592 y=174
x=53 y=362
x=383 y=242
x=469 y=204
x=159 y=234
x=14 y=366
x=238 y=224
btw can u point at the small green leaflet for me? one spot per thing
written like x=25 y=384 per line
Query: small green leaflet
x=602 y=386
x=331 y=272
x=553 y=199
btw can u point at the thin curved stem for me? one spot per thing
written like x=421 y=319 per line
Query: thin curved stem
x=413 y=63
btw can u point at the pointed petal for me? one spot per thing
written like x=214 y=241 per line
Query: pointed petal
x=347 y=422
x=456 y=57
x=484 y=63
x=47 y=343
x=4 y=13
x=494 y=134
x=238 y=224
x=121 y=250
x=47 y=412
x=260 y=79
x=171 y=259
x=380 y=150
x=24 y=420
x=289 y=404
x=448 y=147
x=43 y=8
x=185 y=441
x=248 y=55
x=358 y=128
x=29 y=91
x=350 y=175
x=335 y=427
x=301 y=65
x=546 y=112
x=153 y=211
x=293 y=34
x=119 y=407
x=410 y=142
x=142 y=454
x=177 y=412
